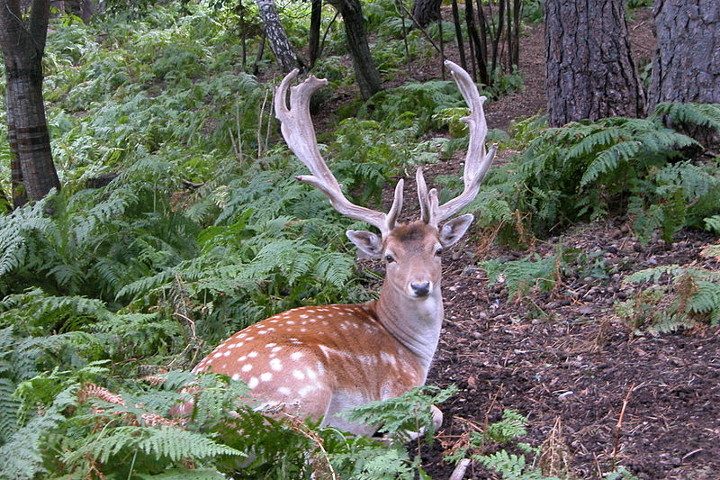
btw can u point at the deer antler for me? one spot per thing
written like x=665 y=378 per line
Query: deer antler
x=477 y=161
x=299 y=133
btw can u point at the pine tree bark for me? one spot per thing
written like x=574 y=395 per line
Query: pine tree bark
x=426 y=11
x=275 y=33
x=686 y=67
x=590 y=73
x=366 y=72
x=23 y=44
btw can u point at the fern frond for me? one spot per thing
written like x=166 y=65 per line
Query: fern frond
x=698 y=114
x=177 y=444
x=610 y=159
x=186 y=474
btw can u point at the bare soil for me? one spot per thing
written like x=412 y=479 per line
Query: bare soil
x=650 y=403
x=605 y=395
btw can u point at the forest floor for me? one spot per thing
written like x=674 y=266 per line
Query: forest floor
x=604 y=395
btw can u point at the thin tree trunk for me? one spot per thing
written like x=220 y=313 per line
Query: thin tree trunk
x=315 y=20
x=366 y=73
x=240 y=12
x=686 y=67
x=515 y=51
x=458 y=34
x=23 y=43
x=442 y=49
x=485 y=76
x=279 y=43
x=401 y=11
x=260 y=53
x=473 y=40
x=477 y=41
x=590 y=73
x=498 y=36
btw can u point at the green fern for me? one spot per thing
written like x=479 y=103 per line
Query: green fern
x=410 y=412
x=511 y=466
x=693 y=295
x=588 y=170
x=522 y=275
x=511 y=426
x=713 y=224
x=698 y=114
x=161 y=443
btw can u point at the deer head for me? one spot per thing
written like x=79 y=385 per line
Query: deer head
x=412 y=251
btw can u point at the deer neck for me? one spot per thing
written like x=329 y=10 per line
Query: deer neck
x=415 y=323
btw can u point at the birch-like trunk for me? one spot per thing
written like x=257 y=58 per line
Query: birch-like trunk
x=275 y=33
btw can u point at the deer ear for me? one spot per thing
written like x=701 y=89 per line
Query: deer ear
x=454 y=230
x=369 y=244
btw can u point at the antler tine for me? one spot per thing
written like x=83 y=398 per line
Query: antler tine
x=299 y=133
x=477 y=161
x=423 y=198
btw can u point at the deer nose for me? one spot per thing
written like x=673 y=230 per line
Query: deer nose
x=420 y=289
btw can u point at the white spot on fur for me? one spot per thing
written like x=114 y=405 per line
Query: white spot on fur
x=236 y=377
x=306 y=389
x=252 y=354
x=276 y=364
x=283 y=391
x=247 y=367
x=270 y=345
x=266 y=377
x=296 y=356
x=298 y=374
x=276 y=349
x=253 y=382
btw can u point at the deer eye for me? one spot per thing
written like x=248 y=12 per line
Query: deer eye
x=389 y=258
x=439 y=252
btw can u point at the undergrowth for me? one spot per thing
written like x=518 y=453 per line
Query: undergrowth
x=585 y=171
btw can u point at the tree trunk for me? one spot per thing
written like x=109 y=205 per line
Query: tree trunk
x=315 y=20
x=366 y=73
x=80 y=8
x=590 y=73
x=426 y=11
x=686 y=67
x=458 y=34
x=279 y=43
x=23 y=43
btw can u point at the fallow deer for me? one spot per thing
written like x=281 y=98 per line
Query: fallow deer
x=319 y=361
